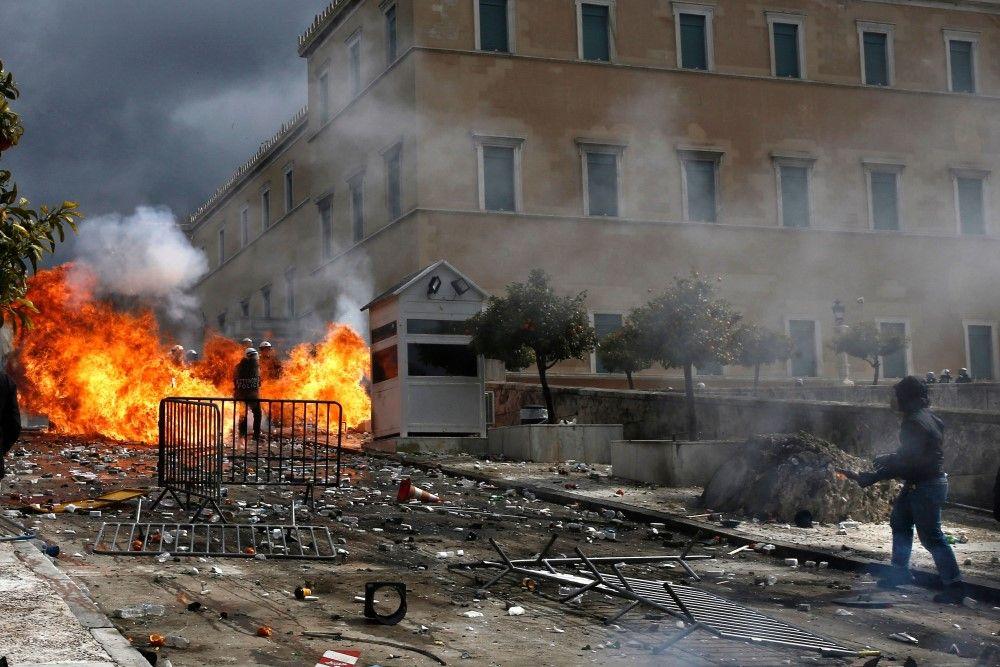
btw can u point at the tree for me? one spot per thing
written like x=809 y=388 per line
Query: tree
x=25 y=234
x=760 y=346
x=621 y=352
x=865 y=340
x=532 y=324
x=685 y=327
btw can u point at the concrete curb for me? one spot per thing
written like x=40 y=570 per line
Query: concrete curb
x=977 y=588
x=83 y=608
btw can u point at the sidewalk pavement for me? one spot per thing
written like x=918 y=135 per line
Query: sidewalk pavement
x=45 y=619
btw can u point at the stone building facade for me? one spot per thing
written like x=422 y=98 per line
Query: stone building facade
x=804 y=150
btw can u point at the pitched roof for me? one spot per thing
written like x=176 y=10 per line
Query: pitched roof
x=409 y=280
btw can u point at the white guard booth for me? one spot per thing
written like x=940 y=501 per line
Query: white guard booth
x=426 y=380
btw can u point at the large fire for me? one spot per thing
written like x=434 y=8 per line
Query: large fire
x=94 y=369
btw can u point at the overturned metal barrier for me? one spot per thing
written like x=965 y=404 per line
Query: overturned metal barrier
x=207 y=442
x=701 y=610
x=217 y=540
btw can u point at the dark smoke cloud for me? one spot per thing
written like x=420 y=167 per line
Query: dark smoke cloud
x=141 y=102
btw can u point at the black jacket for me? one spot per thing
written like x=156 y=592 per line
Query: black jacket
x=10 y=417
x=920 y=456
x=246 y=379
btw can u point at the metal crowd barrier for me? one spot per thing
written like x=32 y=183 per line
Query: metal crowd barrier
x=207 y=442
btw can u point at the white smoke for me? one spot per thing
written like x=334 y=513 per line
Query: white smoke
x=144 y=255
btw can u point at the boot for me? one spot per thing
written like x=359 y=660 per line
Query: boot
x=952 y=594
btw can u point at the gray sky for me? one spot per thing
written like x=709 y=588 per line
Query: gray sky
x=131 y=102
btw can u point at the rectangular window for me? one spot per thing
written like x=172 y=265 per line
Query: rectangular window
x=436 y=360
x=326 y=228
x=222 y=246
x=244 y=226
x=290 y=292
x=390 y=35
x=884 y=200
x=604 y=325
x=324 y=97
x=786 y=49
x=876 y=58
x=245 y=308
x=354 y=58
x=289 y=192
x=437 y=327
x=794 y=196
x=356 y=188
x=595 y=27
x=602 y=183
x=393 y=184
x=387 y=330
x=498 y=178
x=694 y=42
x=894 y=365
x=493 y=28
x=221 y=319
x=265 y=210
x=961 y=55
x=265 y=295
x=385 y=364
x=980 y=345
x=804 y=362
x=970 y=205
x=700 y=190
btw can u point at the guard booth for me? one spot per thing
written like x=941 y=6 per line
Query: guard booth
x=426 y=380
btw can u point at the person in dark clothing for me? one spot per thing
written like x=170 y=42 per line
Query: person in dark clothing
x=930 y=379
x=919 y=463
x=963 y=376
x=10 y=418
x=945 y=377
x=246 y=388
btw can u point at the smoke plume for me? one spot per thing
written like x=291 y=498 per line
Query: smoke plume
x=144 y=256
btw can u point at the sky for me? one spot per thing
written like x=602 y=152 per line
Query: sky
x=130 y=103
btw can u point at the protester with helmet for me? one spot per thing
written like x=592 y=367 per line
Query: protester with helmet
x=270 y=367
x=246 y=388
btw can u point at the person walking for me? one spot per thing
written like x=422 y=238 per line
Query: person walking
x=919 y=463
x=10 y=418
x=246 y=388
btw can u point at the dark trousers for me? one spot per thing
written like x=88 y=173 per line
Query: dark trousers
x=253 y=407
x=919 y=506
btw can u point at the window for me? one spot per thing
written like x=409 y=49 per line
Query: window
x=380 y=333
x=245 y=308
x=354 y=59
x=883 y=196
x=437 y=327
x=700 y=184
x=980 y=349
x=961 y=48
x=244 y=226
x=895 y=365
x=265 y=209
x=594 y=30
x=356 y=188
x=385 y=364
x=290 y=292
x=876 y=53
x=805 y=347
x=265 y=295
x=221 y=319
x=437 y=360
x=601 y=181
x=787 y=52
x=390 y=35
x=604 y=325
x=693 y=34
x=793 y=190
x=969 y=199
x=326 y=227
x=289 y=191
x=494 y=25
x=222 y=246
x=393 y=182
x=324 y=97
x=499 y=173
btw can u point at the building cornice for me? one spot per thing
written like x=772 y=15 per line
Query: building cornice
x=323 y=24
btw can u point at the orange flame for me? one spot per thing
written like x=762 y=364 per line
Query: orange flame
x=97 y=370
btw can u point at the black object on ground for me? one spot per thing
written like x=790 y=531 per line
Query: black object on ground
x=804 y=519
x=395 y=617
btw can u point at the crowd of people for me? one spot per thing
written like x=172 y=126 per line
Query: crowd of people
x=945 y=377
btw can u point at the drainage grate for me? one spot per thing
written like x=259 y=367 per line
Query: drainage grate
x=216 y=540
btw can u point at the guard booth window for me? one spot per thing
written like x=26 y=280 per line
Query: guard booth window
x=803 y=335
x=385 y=364
x=786 y=50
x=981 y=351
x=596 y=40
x=493 y=26
x=437 y=327
x=436 y=360
x=694 y=51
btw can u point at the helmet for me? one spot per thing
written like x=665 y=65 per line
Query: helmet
x=251 y=352
x=264 y=344
x=177 y=348
x=963 y=370
x=946 y=372
x=192 y=353
x=930 y=374
x=247 y=341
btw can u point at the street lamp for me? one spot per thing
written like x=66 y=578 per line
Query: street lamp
x=839 y=325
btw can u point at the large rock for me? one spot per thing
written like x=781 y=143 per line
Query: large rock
x=775 y=476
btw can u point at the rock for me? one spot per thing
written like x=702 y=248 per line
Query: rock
x=515 y=611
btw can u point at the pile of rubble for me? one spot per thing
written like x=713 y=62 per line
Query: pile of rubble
x=780 y=477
